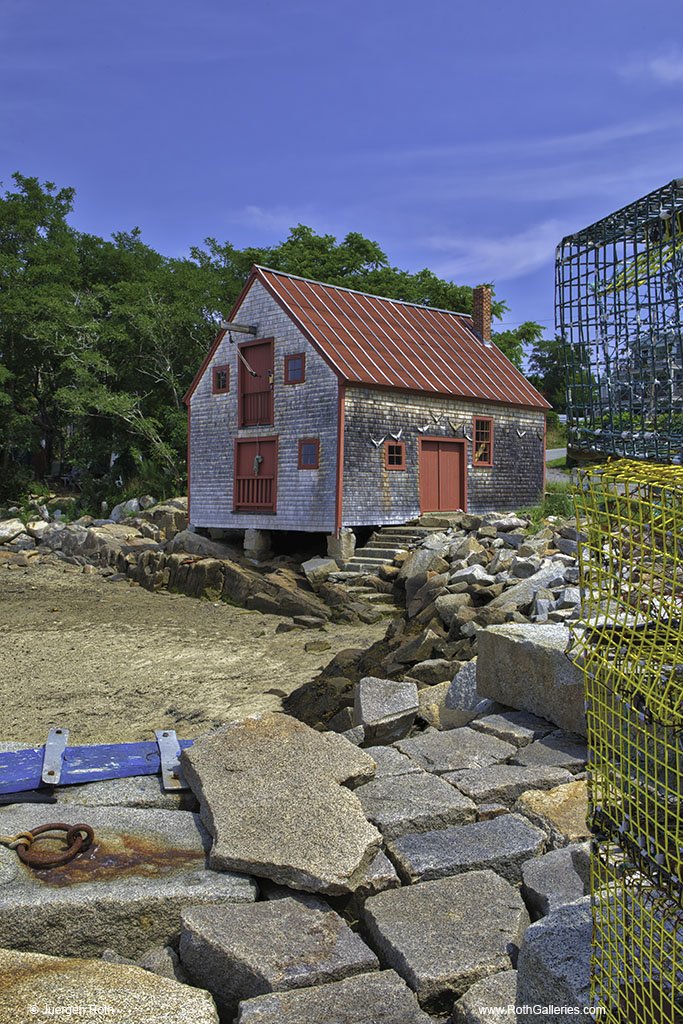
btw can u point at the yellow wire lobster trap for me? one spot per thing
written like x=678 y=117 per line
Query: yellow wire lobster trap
x=630 y=641
x=637 y=957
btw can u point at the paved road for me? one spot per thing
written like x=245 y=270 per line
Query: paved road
x=554 y=453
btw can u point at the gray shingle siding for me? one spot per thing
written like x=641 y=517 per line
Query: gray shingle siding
x=306 y=499
x=375 y=495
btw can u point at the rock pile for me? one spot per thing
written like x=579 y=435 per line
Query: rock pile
x=152 y=547
x=478 y=585
x=481 y=571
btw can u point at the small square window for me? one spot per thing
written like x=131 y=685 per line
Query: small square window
x=395 y=455
x=309 y=453
x=482 y=441
x=220 y=380
x=295 y=368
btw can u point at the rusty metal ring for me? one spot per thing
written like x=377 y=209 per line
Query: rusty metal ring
x=78 y=838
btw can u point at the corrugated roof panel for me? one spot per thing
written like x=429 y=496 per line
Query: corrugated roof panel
x=369 y=340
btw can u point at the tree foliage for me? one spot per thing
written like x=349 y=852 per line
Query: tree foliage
x=100 y=338
x=546 y=362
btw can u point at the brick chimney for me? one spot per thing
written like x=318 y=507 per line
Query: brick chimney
x=481 y=312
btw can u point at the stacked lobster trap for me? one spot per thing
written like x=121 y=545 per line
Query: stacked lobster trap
x=631 y=573
x=619 y=304
x=618 y=310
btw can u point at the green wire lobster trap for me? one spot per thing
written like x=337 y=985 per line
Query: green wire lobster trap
x=618 y=301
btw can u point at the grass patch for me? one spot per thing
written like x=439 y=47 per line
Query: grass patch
x=560 y=463
x=556 y=436
x=558 y=501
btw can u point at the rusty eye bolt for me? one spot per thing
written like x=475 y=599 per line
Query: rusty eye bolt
x=78 y=838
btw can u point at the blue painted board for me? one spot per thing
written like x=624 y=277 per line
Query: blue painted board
x=21 y=769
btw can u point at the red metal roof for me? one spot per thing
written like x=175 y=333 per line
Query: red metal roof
x=371 y=340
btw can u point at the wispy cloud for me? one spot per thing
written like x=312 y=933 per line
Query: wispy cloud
x=664 y=68
x=497 y=259
x=277 y=218
x=593 y=139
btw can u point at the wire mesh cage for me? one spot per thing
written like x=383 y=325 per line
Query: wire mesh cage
x=618 y=294
x=637 y=954
x=630 y=642
x=631 y=578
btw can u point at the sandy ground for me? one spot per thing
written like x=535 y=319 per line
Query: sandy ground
x=113 y=662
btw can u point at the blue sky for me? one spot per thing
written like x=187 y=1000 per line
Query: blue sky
x=465 y=137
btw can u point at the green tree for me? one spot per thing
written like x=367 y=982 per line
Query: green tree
x=514 y=342
x=546 y=363
x=39 y=325
x=99 y=339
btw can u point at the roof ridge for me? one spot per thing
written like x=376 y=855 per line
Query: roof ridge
x=357 y=291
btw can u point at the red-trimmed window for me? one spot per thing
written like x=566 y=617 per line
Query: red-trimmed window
x=309 y=453
x=394 y=455
x=220 y=380
x=482 y=441
x=295 y=368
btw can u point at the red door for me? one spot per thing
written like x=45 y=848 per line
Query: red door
x=255 y=377
x=442 y=475
x=255 y=475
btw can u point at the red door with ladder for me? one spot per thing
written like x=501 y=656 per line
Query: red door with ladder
x=442 y=475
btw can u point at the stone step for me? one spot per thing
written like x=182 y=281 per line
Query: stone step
x=389 y=554
x=395 y=531
x=377 y=597
x=366 y=566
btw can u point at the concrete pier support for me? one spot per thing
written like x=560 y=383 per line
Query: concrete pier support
x=257 y=544
x=341 y=548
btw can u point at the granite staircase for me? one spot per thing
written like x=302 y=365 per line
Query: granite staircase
x=380 y=551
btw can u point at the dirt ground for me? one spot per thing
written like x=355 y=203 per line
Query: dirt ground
x=113 y=662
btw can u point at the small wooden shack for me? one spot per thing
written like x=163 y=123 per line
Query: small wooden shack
x=321 y=407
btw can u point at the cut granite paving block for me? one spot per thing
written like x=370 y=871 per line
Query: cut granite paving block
x=46 y=988
x=554 y=964
x=237 y=953
x=480 y=1003
x=385 y=708
x=487 y=811
x=502 y=844
x=444 y=936
x=126 y=891
x=525 y=666
x=504 y=783
x=462 y=703
x=413 y=803
x=556 y=878
x=518 y=727
x=560 y=812
x=272 y=891
x=272 y=796
x=144 y=791
x=555 y=750
x=456 y=750
x=391 y=762
x=380 y=998
x=381 y=875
